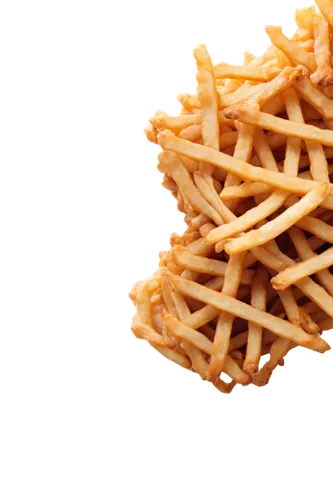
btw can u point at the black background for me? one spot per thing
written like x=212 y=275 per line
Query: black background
x=156 y=64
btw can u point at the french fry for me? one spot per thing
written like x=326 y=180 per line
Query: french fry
x=224 y=70
x=291 y=48
x=314 y=97
x=208 y=99
x=181 y=176
x=326 y=8
x=304 y=17
x=310 y=266
x=233 y=278
x=271 y=230
x=199 y=340
x=239 y=168
x=204 y=265
x=280 y=125
x=305 y=252
x=324 y=73
x=225 y=303
x=254 y=341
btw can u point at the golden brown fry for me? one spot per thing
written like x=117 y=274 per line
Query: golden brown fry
x=182 y=177
x=242 y=169
x=281 y=223
x=148 y=333
x=225 y=303
x=291 y=48
x=209 y=99
x=143 y=304
x=324 y=73
x=258 y=301
x=305 y=252
x=313 y=96
x=224 y=70
x=280 y=83
x=277 y=352
x=304 y=17
x=199 y=364
x=326 y=8
x=199 y=340
x=233 y=278
x=310 y=266
x=203 y=265
x=280 y=125
x=174 y=356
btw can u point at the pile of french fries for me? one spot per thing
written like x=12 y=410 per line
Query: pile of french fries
x=249 y=161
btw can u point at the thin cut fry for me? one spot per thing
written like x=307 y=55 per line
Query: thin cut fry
x=242 y=169
x=225 y=303
x=314 y=97
x=324 y=73
x=224 y=325
x=258 y=301
x=305 y=252
x=326 y=8
x=306 y=268
x=280 y=125
x=186 y=184
x=204 y=265
x=290 y=48
x=199 y=340
x=208 y=98
x=224 y=70
x=283 y=222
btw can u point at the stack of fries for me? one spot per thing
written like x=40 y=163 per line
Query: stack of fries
x=248 y=161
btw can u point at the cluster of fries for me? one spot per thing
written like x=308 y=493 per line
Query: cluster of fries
x=248 y=162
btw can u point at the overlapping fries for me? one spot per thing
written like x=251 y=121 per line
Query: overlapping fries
x=248 y=161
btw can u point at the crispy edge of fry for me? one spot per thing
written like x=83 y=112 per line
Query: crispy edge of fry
x=304 y=17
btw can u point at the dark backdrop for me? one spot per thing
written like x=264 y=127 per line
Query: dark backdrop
x=155 y=63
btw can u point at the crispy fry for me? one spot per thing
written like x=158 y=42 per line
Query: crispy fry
x=208 y=98
x=310 y=266
x=181 y=176
x=225 y=303
x=305 y=252
x=203 y=265
x=304 y=17
x=314 y=97
x=199 y=340
x=244 y=170
x=233 y=278
x=254 y=341
x=280 y=125
x=224 y=70
x=326 y=8
x=324 y=73
x=291 y=48
x=280 y=224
